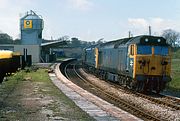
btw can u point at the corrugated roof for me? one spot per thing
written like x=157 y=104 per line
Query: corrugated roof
x=52 y=43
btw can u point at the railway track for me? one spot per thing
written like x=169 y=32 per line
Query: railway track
x=72 y=74
x=161 y=99
x=168 y=101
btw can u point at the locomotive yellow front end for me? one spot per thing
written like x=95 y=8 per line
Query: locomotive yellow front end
x=152 y=64
x=155 y=64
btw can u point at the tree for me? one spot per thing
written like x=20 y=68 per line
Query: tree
x=84 y=44
x=75 y=42
x=100 y=41
x=171 y=36
x=93 y=43
x=64 y=38
x=17 y=41
x=5 y=39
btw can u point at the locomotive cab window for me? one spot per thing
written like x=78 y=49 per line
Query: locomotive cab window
x=144 y=49
x=161 y=50
x=132 y=50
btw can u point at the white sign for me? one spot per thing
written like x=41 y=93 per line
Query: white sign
x=131 y=63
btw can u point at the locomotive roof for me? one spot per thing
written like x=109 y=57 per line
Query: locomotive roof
x=148 y=40
x=91 y=46
x=115 y=42
x=140 y=40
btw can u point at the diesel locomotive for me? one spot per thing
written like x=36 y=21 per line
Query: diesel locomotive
x=141 y=63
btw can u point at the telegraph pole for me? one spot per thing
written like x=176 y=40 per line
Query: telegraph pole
x=129 y=34
x=150 y=30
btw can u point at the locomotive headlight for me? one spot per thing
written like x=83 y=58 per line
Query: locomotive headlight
x=146 y=40
x=159 y=40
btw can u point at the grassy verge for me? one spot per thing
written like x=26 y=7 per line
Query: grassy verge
x=72 y=111
x=175 y=83
x=7 y=87
x=32 y=96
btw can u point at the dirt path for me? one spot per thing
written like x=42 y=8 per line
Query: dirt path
x=36 y=100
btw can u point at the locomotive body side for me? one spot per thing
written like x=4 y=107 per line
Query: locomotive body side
x=112 y=60
x=88 y=58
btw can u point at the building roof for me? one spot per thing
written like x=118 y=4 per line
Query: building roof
x=31 y=15
x=53 y=43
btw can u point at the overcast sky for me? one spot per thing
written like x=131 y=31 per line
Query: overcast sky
x=91 y=20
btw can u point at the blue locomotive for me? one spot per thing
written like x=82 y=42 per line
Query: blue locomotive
x=142 y=63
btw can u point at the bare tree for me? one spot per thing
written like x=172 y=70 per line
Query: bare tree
x=100 y=41
x=171 y=36
x=64 y=38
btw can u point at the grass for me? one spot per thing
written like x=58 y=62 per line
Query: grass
x=8 y=86
x=40 y=75
x=49 y=89
x=61 y=106
x=6 y=90
x=175 y=73
x=176 y=53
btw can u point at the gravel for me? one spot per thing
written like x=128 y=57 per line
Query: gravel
x=160 y=111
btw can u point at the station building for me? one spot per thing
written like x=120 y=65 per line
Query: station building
x=31 y=27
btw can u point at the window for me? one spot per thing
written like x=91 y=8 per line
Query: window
x=144 y=49
x=160 y=50
x=132 y=50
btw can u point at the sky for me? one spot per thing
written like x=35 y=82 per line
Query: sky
x=91 y=20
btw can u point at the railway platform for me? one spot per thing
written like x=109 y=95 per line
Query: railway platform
x=99 y=109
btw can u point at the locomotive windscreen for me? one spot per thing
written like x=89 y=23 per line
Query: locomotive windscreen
x=144 y=49
x=158 y=50
x=161 y=50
